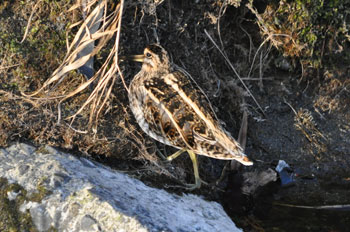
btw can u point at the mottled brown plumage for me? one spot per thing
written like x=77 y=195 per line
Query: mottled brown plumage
x=172 y=109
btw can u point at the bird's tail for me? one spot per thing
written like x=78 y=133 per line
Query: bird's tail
x=232 y=148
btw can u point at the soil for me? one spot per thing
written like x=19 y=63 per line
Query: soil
x=305 y=118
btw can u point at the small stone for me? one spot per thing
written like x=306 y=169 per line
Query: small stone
x=88 y=223
x=12 y=195
x=40 y=217
x=22 y=169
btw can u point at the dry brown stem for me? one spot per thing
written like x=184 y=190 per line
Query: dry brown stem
x=110 y=26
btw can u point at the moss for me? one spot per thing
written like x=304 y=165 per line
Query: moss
x=42 y=50
x=41 y=193
x=316 y=32
x=11 y=218
x=42 y=150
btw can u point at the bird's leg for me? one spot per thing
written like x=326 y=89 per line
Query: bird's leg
x=193 y=157
x=176 y=154
x=198 y=180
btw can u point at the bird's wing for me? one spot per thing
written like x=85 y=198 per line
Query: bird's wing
x=178 y=110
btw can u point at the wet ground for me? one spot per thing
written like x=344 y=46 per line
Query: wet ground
x=306 y=121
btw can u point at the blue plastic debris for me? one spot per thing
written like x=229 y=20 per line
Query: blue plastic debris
x=286 y=174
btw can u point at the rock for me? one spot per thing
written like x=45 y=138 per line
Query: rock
x=254 y=180
x=77 y=194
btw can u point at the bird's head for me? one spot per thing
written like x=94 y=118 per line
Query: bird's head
x=154 y=59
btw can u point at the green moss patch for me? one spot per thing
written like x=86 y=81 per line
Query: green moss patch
x=11 y=218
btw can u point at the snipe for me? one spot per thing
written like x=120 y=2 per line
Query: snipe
x=173 y=110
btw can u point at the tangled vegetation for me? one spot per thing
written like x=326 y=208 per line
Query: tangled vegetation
x=316 y=33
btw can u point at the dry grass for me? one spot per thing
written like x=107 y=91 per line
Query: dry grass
x=30 y=20
x=333 y=95
x=270 y=32
x=110 y=25
x=305 y=123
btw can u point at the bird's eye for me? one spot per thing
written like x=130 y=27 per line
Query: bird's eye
x=148 y=55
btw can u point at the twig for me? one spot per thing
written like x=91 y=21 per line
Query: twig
x=15 y=97
x=257 y=79
x=117 y=44
x=250 y=41
x=29 y=21
x=221 y=13
x=76 y=130
x=339 y=207
x=295 y=112
x=242 y=135
x=11 y=66
x=261 y=85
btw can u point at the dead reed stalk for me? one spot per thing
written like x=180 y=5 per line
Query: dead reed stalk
x=109 y=26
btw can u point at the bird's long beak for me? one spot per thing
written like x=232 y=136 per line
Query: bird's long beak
x=137 y=58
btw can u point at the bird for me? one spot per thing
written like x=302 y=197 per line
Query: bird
x=171 y=108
